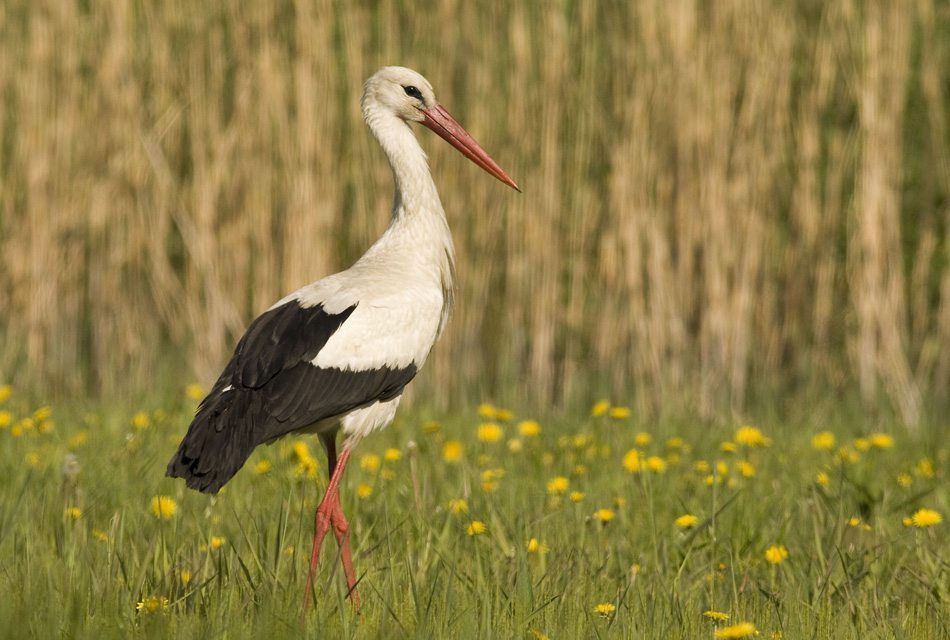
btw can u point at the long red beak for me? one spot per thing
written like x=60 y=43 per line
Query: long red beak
x=439 y=120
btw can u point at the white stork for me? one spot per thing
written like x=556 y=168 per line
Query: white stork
x=337 y=354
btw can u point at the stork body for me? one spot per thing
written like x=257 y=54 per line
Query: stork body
x=336 y=355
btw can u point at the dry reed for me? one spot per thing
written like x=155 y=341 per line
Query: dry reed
x=716 y=196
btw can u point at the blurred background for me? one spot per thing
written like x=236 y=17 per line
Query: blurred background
x=725 y=203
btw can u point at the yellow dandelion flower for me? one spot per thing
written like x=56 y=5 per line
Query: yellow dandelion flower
x=504 y=415
x=195 y=391
x=163 y=507
x=529 y=428
x=926 y=518
x=751 y=437
x=710 y=480
x=152 y=605
x=848 y=455
x=392 y=455
x=716 y=615
x=5 y=392
x=741 y=630
x=580 y=469
x=686 y=521
x=631 y=461
x=432 y=426
x=722 y=468
x=141 y=420
x=547 y=459
x=776 y=554
x=102 y=536
x=861 y=444
x=822 y=478
x=74 y=512
x=577 y=496
x=514 y=445
x=387 y=474
x=78 y=439
x=701 y=465
x=6 y=418
x=620 y=412
x=32 y=459
x=475 y=528
x=16 y=430
x=458 y=505
x=184 y=576
x=600 y=408
x=370 y=462
x=904 y=479
x=643 y=439
x=263 y=466
x=604 y=609
x=452 y=451
x=558 y=484
x=654 y=463
x=581 y=440
x=364 y=491
x=728 y=447
x=675 y=443
x=908 y=522
x=488 y=411
x=604 y=515
x=489 y=432
x=41 y=414
x=925 y=468
x=854 y=522
x=823 y=441
x=746 y=469
x=619 y=501
x=217 y=542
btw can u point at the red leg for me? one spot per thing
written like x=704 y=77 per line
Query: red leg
x=330 y=513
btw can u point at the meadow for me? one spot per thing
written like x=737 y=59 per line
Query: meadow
x=595 y=524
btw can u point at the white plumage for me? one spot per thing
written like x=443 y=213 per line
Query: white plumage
x=336 y=354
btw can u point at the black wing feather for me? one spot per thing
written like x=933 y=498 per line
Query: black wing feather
x=270 y=388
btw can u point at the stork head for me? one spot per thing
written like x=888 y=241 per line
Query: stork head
x=407 y=95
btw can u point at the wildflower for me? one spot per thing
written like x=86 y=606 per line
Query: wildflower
x=604 y=515
x=722 y=468
x=822 y=478
x=514 y=445
x=746 y=469
x=741 y=630
x=728 y=447
x=600 y=408
x=536 y=546
x=558 y=484
x=776 y=554
x=643 y=439
x=861 y=444
x=581 y=440
x=856 y=523
x=141 y=420
x=370 y=462
x=620 y=412
x=823 y=441
x=475 y=528
x=529 y=428
x=926 y=518
x=908 y=522
x=5 y=392
x=489 y=432
x=882 y=441
x=751 y=437
x=686 y=521
x=102 y=536
x=153 y=604
x=184 y=576
x=675 y=443
x=631 y=461
x=5 y=419
x=579 y=469
x=458 y=505
x=217 y=542
x=846 y=454
x=904 y=479
x=74 y=512
x=195 y=392
x=604 y=609
x=487 y=411
x=78 y=440
x=619 y=501
x=163 y=507
x=653 y=463
x=32 y=459
x=701 y=465
x=263 y=466
x=364 y=491
x=925 y=468
x=504 y=415
x=432 y=426
x=716 y=615
x=452 y=451
x=577 y=496
x=392 y=455
x=41 y=414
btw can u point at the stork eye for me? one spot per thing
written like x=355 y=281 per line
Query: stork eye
x=413 y=92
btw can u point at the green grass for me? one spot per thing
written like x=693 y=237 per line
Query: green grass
x=421 y=573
